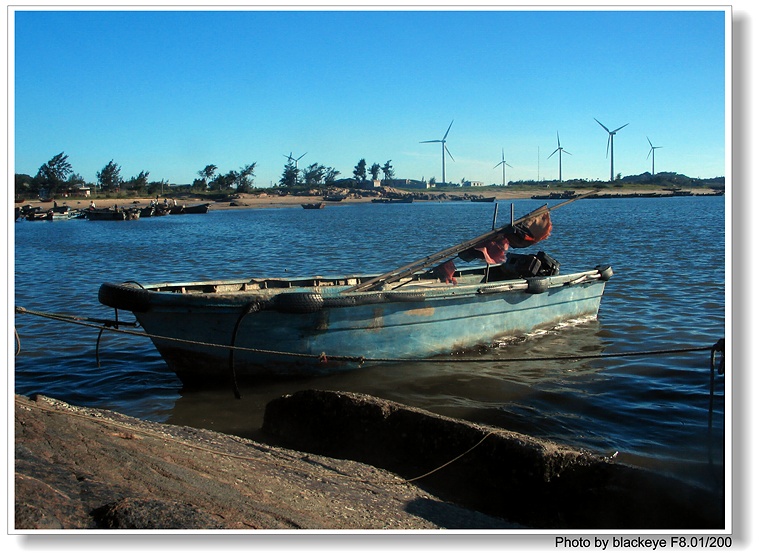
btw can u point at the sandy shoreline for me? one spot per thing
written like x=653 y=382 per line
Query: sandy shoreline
x=242 y=201
x=247 y=201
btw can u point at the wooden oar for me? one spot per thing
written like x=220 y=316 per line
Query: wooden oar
x=417 y=265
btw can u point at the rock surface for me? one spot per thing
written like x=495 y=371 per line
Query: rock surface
x=332 y=461
x=82 y=468
x=536 y=483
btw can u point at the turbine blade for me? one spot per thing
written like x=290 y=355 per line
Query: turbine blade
x=447 y=151
x=609 y=138
x=433 y=141
x=302 y=155
x=618 y=129
x=566 y=152
x=600 y=123
x=650 y=142
x=499 y=164
x=558 y=139
x=552 y=154
x=447 y=131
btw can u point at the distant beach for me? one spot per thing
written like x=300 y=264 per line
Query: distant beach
x=251 y=200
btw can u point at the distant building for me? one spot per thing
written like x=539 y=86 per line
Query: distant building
x=473 y=184
x=409 y=183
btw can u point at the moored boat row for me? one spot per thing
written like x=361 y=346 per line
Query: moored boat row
x=113 y=213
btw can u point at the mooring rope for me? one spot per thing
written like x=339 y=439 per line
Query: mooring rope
x=112 y=325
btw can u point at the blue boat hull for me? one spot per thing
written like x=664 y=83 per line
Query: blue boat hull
x=307 y=326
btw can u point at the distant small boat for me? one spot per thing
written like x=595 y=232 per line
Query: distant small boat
x=314 y=206
x=35 y=216
x=404 y=200
x=555 y=195
x=483 y=199
x=197 y=209
x=64 y=212
x=111 y=214
x=334 y=198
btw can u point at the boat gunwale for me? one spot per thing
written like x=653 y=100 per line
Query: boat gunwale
x=136 y=297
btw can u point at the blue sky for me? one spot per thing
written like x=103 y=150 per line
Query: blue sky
x=169 y=92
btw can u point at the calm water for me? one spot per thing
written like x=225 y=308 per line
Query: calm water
x=668 y=292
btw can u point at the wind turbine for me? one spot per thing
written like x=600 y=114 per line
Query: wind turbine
x=503 y=165
x=651 y=151
x=444 y=150
x=294 y=160
x=611 y=147
x=560 y=150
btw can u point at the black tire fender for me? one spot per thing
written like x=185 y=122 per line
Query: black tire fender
x=125 y=297
x=299 y=303
x=605 y=272
x=404 y=296
x=537 y=285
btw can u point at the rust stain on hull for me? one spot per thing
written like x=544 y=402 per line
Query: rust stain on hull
x=421 y=311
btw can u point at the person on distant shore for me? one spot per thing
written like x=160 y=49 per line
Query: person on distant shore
x=92 y=205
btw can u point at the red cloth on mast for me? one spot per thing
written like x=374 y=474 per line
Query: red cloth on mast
x=522 y=235
x=531 y=231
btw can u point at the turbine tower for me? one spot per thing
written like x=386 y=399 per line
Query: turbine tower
x=444 y=150
x=611 y=147
x=503 y=165
x=560 y=150
x=651 y=151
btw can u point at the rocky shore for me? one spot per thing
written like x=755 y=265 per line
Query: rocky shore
x=332 y=461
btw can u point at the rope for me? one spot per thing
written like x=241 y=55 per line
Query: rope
x=111 y=325
x=451 y=461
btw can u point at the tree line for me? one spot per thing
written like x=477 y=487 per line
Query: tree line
x=57 y=177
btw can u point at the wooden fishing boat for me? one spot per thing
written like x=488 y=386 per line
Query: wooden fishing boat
x=64 y=212
x=196 y=209
x=218 y=331
x=483 y=199
x=314 y=206
x=112 y=214
x=36 y=215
